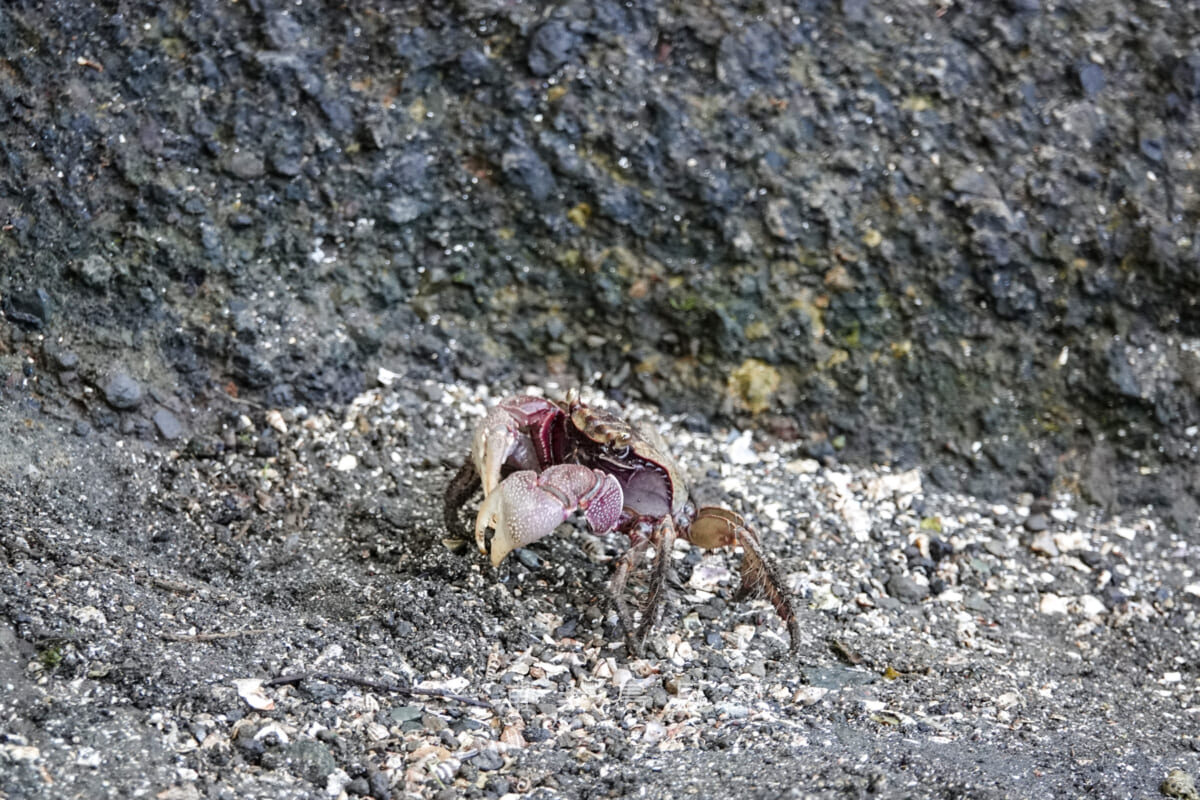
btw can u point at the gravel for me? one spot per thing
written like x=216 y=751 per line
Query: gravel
x=151 y=614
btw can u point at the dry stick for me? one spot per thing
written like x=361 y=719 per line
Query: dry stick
x=378 y=686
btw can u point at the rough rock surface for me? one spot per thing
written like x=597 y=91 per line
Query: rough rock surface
x=818 y=237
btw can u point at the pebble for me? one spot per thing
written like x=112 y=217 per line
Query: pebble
x=67 y=359
x=1092 y=79
x=732 y=710
x=1036 y=523
x=96 y=271
x=311 y=760
x=488 y=760
x=168 y=424
x=406 y=713
x=1179 y=784
x=122 y=392
x=29 y=309
x=803 y=466
x=1092 y=606
x=741 y=450
x=1044 y=543
x=1052 y=603
x=246 y=165
x=380 y=786
x=906 y=589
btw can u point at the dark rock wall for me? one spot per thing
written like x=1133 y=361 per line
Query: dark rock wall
x=960 y=235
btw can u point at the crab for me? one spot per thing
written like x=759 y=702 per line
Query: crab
x=539 y=461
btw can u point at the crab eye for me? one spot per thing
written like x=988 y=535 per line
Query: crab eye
x=621 y=452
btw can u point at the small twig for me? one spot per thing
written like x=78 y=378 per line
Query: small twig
x=378 y=686
x=244 y=401
x=212 y=637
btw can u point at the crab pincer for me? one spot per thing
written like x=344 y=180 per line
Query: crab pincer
x=528 y=505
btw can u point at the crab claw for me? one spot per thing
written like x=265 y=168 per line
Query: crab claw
x=527 y=506
x=503 y=438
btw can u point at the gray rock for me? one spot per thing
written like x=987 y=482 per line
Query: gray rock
x=528 y=171
x=122 y=392
x=66 y=359
x=1091 y=78
x=31 y=310
x=905 y=589
x=404 y=209
x=310 y=760
x=488 y=760
x=1036 y=523
x=246 y=165
x=782 y=220
x=551 y=47
x=169 y=426
x=405 y=713
x=95 y=271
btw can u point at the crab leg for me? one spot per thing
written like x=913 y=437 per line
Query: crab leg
x=616 y=589
x=527 y=505
x=719 y=527
x=664 y=542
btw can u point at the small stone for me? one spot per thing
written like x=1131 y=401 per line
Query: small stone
x=1036 y=523
x=1044 y=543
x=67 y=359
x=95 y=271
x=246 y=165
x=1179 y=784
x=168 y=424
x=488 y=760
x=905 y=589
x=406 y=713
x=1092 y=606
x=1052 y=604
x=287 y=165
x=551 y=46
x=122 y=392
x=741 y=450
x=733 y=710
x=380 y=785
x=405 y=209
x=311 y=760
x=782 y=220
x=89 y=615
x=89 y=757
x=1091 y=78
x=30 y=310
x=528 y=558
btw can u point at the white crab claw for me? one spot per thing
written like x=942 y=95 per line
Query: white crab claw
x=491 y=448
x=502 y=437
x=527 y=506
